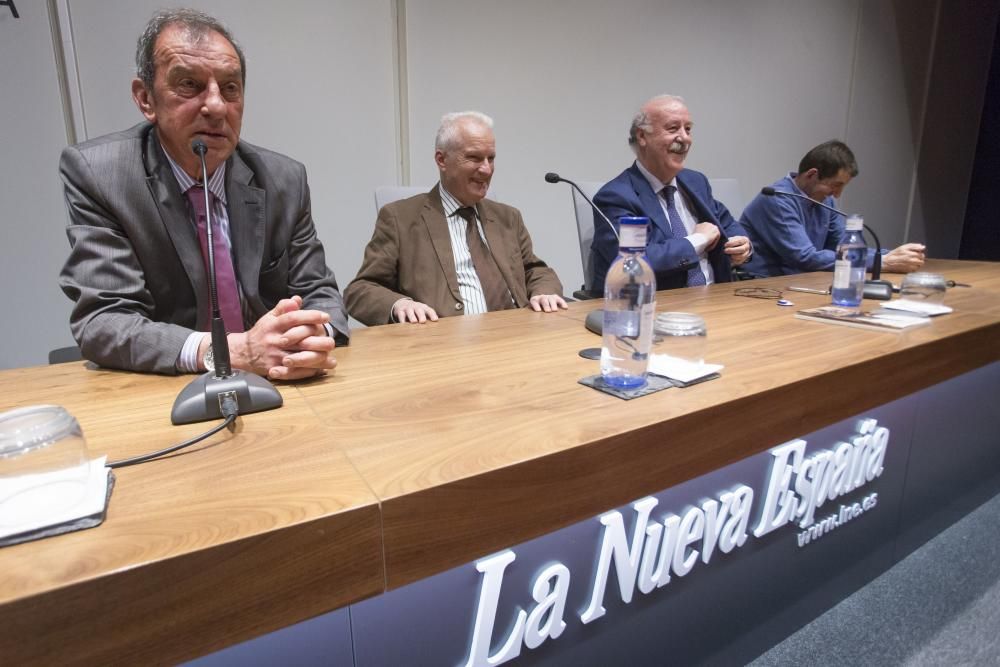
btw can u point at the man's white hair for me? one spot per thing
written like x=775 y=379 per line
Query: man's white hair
x=447 y=134
x=640 y=121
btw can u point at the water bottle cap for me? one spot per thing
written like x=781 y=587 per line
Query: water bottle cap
x=633 y=220
x=855 y=223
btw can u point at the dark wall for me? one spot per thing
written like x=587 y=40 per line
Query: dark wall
x=981 y=232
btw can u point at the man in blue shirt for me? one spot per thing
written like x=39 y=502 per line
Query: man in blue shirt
x=792 y=235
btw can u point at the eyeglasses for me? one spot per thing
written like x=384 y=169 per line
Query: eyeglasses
x=758 y=292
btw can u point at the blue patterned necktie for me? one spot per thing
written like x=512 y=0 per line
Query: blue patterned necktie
x=695 y=276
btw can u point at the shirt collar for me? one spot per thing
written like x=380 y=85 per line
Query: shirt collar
x=449 y=203
x=654 y=182
x=216 y=183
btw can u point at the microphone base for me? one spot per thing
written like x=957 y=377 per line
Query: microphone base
x=199 y=401
x=879 y=290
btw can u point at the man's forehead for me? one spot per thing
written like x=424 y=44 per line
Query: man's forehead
x=842 y=177
x=180 y=42
x=670 y=110
x=475 y=135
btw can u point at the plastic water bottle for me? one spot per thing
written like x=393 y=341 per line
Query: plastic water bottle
x=849 y=267
x=629 y=307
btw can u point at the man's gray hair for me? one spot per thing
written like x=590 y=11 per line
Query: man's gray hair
x=447 y=134
x=196 y=23
x=640 y=121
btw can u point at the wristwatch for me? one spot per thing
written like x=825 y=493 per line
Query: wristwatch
x=209 y=359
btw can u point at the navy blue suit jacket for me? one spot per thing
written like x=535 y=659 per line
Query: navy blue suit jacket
x=630 y=194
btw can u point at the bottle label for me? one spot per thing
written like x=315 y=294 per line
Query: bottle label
x=632 y=236
x=841 y=274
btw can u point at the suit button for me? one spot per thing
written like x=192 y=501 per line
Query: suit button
x=459 y=306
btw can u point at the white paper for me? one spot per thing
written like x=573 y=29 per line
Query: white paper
x=920 y=307
x=30 y=502
x=679 y=369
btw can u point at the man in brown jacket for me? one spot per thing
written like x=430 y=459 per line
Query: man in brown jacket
x=452 y=251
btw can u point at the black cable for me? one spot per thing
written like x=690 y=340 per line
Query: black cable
x=142 y=458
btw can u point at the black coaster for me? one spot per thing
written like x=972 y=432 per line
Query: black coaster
x=653 y=384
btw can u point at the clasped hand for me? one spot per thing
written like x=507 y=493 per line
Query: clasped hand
x=287 y=343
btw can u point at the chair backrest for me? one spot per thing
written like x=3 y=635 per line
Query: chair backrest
x=585 y=224
x=387 y=194
x=727 y=191
x=63 y=354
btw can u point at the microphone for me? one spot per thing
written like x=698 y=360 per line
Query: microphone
x=874 y=288
x=595 y=319
x=222 y=392
x=553 y=177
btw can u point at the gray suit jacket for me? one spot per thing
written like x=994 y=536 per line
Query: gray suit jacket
x=135 y=270
x=410 y=256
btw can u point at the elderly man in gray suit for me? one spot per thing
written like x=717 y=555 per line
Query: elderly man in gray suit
x=137 y=266
x=452 y=251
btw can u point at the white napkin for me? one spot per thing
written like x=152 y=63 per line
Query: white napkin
x=31 y=502
x=679 y=369
x=919 y=307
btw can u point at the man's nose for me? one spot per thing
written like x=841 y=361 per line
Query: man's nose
x=212 y=101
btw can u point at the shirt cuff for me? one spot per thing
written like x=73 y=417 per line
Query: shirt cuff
x=699 y=241
x=187 y=360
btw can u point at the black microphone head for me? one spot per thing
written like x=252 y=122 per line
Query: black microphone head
x=767 y=192
x=552 y=177
x=199 y=147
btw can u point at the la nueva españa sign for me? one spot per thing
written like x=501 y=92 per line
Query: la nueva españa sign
x=676 y=544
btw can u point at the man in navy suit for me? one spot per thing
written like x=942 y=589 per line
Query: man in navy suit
x=693 y=240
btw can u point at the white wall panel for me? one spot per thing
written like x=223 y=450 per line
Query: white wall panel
x=35 y=315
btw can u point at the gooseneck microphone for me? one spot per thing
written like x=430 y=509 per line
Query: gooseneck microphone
x=874 y=288
x=553 y=177
x=222 y=392
x=220 y=344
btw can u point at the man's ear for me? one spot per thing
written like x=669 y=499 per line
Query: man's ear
x=439 y=159
x=143 y=99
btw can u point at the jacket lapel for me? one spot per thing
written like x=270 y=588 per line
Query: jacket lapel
x=246 y=205
x=176 y=221
x=502 y=254
x=697 y=199
x=650 y=201
x=437 y=230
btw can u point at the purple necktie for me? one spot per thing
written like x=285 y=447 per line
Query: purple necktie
x=695 y=276
x=225 y=276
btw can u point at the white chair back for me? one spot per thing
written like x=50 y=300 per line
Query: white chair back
x=585 y=225
x=387 y=194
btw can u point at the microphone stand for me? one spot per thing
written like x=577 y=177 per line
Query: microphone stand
x=222 y=392
x=595 y=318
x=876 y=288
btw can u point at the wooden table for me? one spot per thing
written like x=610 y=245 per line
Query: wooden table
x=242 y=535
x=431 y=446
